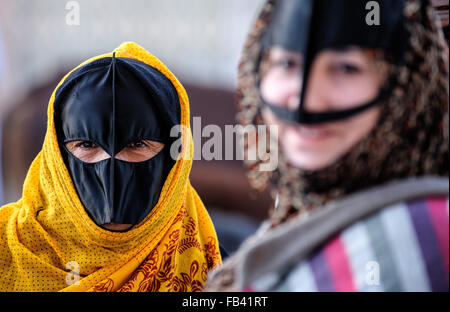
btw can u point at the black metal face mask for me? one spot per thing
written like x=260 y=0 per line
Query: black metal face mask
x=114 y=102
x=311 y=27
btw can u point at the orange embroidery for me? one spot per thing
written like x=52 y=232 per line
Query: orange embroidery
x=106 y=286
x=160 y=271
x=190 y=227
x=212 y=253
x=186 y=243
x=189 y=282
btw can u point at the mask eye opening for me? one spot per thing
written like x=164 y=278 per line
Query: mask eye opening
x=87 y=151
x=140 y=150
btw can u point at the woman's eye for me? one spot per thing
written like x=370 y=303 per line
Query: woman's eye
x=138 y=144
x=87 y=145
x=286 y=63
x=348 y=69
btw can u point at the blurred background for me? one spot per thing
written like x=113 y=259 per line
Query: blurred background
x=199 y=40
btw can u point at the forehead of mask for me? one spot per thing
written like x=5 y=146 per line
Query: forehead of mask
x=308 y=26
x=142 y=108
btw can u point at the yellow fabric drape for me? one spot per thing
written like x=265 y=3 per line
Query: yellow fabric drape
x=49 y=243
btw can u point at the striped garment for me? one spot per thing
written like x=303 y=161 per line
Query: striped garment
x=404 y=247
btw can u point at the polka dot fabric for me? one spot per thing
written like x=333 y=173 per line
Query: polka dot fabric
x=49 y=243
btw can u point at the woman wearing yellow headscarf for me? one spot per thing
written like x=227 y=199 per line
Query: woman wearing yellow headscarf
x=101 y=221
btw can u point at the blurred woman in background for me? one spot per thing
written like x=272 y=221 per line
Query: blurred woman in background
x=362 y=184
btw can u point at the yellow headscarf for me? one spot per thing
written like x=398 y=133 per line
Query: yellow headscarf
x=49 y=243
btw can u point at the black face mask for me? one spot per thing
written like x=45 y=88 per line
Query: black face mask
x=310 y=27
x=114 y=102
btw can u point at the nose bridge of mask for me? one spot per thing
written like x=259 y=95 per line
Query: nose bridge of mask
x=310 y=27
x=134 y=118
